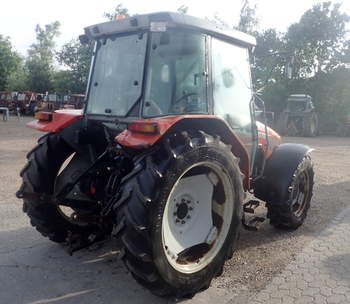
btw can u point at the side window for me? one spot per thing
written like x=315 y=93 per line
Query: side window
x=231 y=84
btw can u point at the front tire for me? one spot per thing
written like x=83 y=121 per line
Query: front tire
x=291 y=214
x=179 y=215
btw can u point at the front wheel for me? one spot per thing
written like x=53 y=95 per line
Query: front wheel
x=181 y=220
x=290 y=214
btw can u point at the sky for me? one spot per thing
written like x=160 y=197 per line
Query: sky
x=19 y=17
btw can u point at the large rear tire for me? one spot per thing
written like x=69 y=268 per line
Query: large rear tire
x=291 y=214
x=179 y=214
x=39 y=175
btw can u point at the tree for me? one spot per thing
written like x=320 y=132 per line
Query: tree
x=248 y=21
x=317 y=39
x=76 y=57
x=119 y=12
x=18 y=79
x=9 y=61
x=270 y=58
x=40 y=60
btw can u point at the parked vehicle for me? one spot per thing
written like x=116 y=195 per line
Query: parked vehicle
x=73 y=101
x=5 y=98
x=299 y=118
x=25 y=102
x=49 y=102
x=164 y=153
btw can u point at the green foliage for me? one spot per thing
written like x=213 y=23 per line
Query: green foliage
x=18 y=80
x=76 y=57
x=317 y=49
x=119 y=12
x=40 y=60
x=317 y=39
x=270 y=59
x=9 y=62
x=248 y=21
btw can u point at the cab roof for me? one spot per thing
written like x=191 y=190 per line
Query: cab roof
x=168 y=20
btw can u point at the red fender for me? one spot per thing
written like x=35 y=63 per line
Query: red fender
x=141 y=140
x=273 y=137
x=54 y=121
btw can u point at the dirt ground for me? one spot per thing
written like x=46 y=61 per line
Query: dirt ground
x=259 y=256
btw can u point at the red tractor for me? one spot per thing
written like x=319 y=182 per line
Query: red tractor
x=164 y=153
x=25 y=102
x=73 y=101
x=5 y=98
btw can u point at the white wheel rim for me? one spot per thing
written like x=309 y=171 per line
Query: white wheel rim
x=188 y=216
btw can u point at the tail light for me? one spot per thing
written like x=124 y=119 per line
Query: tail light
x=143 y=127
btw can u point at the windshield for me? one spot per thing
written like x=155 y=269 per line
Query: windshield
x=116 y=82
x=296 y=105
x=176 y=75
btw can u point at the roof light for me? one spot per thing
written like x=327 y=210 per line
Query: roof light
x=120 y=16
x=143 y=127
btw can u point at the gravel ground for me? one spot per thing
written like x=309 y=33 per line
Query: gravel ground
x=260 y=255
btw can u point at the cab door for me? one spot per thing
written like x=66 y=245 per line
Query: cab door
x=231 y=86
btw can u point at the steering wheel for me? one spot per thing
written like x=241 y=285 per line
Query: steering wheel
x=152 y=104
x=185 y=96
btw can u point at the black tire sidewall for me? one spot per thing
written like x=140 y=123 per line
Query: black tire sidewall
x=46 y=159
x=305 y=165
x=192 y=281
x=282 y=215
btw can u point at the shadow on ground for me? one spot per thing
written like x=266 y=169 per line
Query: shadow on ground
x=34 y=270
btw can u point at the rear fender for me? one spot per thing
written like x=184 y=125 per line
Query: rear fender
x=208 y=123
x=278 y=173
x=58 y=120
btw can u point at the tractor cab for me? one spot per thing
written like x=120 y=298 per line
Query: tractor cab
x=73 y=101
x=167 y=66
x=299 y=103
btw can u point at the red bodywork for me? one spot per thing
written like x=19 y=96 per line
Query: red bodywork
x=24 y=103
x=62 y=118
x=5 y=98
x=59 y=120
x=273 y=138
